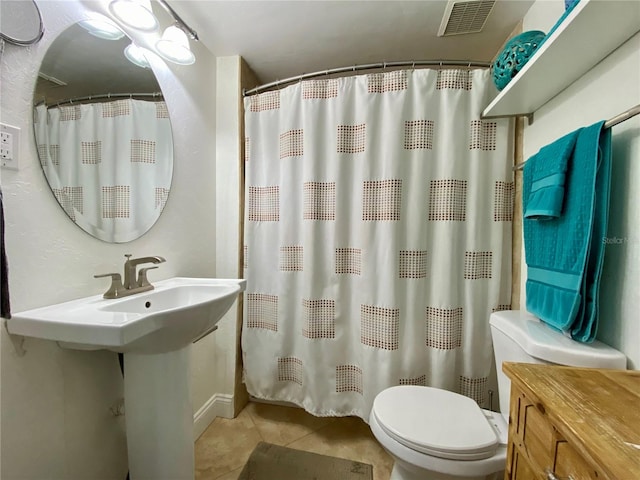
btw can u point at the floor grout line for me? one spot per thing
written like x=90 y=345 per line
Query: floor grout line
x=253 y=421
x=297 y=439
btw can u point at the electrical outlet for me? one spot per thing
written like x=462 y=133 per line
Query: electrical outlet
x=9 y=146
x=6 y=146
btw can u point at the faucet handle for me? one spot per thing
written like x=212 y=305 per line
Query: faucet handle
x=142 y=277
x=116 y=287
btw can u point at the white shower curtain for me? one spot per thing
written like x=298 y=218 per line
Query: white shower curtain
x=109 y=164
x=378 y=237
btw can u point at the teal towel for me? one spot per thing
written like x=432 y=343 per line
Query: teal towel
x=547 y=170
x=564 y=255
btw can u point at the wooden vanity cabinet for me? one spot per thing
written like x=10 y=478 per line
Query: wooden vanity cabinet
x=573 y=423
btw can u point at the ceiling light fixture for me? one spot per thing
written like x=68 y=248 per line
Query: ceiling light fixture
x=174 y=46
x=102 y=29
x=136 y=55
x=191 y=33
x=135 y=13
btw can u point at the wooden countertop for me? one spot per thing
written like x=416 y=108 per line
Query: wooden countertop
x=596 y=410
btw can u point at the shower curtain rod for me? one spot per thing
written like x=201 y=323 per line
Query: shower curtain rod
x=107 y=96
x=626 y=115
x=370 y=66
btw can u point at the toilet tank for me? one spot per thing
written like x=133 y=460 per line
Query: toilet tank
x=518 y=336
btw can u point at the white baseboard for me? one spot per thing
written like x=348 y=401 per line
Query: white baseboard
x=219 y=405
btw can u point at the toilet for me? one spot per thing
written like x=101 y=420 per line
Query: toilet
x=435 y=434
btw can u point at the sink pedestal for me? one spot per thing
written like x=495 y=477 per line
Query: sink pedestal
x=159 y=415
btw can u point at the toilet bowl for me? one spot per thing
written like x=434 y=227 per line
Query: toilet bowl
x=434 y=434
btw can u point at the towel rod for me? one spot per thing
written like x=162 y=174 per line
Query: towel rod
x=632 y=112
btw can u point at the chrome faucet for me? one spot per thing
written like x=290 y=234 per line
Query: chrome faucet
x=131 y=285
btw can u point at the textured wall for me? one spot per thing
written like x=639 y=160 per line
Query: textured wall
x=608 y=89
x=55 y=403
x=228 y=206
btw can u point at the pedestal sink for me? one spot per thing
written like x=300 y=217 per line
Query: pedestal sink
x=154 y=331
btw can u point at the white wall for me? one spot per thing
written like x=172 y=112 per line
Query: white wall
x=220 y=364
x=228 y=205
x=608 y=89
x=56 y=422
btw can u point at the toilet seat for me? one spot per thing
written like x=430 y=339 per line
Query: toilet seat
x=435 y=422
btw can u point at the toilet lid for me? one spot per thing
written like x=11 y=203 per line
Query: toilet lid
x=436 y=422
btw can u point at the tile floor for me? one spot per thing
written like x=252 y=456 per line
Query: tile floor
x=223 y=449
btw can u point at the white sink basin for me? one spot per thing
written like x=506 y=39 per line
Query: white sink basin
x=174 y=314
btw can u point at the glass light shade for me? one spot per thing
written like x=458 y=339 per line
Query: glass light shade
x=102 y=29
x=174 y=46
x=135 y=13
x=136 y=55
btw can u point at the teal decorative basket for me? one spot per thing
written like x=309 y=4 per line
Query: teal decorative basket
x=569 y=4
x=515 y=54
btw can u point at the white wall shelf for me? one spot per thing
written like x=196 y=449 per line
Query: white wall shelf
x=593 y=30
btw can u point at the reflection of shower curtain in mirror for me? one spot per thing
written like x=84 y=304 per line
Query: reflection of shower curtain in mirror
x=108 y=164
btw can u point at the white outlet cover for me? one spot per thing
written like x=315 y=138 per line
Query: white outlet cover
x=13 y=162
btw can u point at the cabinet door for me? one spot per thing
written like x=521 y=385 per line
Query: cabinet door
x=531 y=432
x=569 y=464
x=520 y=469
x=537 y=436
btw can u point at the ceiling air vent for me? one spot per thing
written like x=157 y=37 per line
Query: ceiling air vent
x=465 y=16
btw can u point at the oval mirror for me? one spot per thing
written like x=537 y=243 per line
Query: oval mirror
x=20 y=22
x=102 y=131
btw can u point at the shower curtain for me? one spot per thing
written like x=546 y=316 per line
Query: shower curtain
x=377 y=237
x=109 y=164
